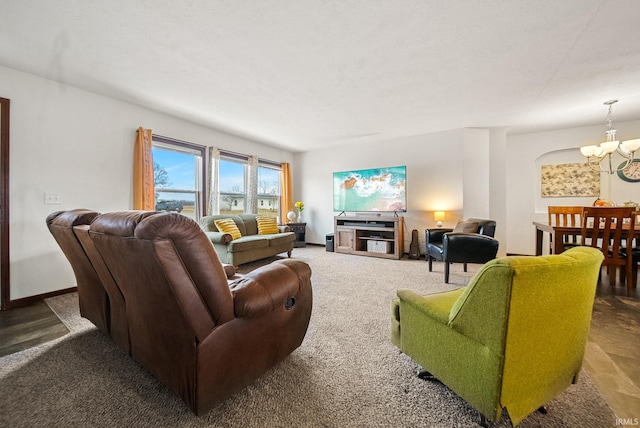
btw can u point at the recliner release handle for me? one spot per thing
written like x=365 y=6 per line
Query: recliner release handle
x=291 y=301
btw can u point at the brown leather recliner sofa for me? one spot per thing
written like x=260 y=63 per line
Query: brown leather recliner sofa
x=99 y=298
x=202 y=335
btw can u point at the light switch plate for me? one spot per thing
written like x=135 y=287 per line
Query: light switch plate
x=52 y=198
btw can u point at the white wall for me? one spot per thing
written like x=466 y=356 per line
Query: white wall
x=498 y=186
x=78 y=145
x=476 y=171
x=484 y=185
x=435 y=170
x=526 y=153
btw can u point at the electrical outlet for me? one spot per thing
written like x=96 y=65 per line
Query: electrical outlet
x=52 y=198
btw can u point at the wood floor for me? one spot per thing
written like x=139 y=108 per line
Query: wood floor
x=612 y=358
x=23 y=328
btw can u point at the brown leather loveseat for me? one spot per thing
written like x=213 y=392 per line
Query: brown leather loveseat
x=203 y=336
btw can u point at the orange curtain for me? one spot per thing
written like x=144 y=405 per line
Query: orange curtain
x=286 y=192
x=143 y=188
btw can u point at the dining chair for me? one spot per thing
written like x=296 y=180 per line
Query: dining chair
x=570 y=216
x=634 y=245
x=610 y=229
x=635 y=255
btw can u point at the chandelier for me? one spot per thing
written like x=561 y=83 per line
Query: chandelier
x=599 y=157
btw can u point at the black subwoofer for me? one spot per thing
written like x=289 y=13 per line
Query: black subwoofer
x=329 y=243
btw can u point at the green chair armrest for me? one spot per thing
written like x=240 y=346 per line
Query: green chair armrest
x=437 y=305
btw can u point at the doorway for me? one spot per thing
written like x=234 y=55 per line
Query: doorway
x=5 y=295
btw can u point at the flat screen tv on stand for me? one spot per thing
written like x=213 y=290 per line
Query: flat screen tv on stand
x=373 y=190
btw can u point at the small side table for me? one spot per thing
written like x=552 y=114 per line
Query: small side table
x=300 y=229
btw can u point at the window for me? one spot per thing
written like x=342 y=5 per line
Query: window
x=232 y=179
x=268 y=189
x=234 y=184
x=179 y=176
x=242 y=181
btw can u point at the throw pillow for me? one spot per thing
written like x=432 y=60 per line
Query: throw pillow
x=466 y=227
x=227 y=225
x=267 y=225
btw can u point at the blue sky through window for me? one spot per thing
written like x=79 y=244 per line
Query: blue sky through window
x=180 y=168
x=231 y=176
x=181 y=171
x=268 y=181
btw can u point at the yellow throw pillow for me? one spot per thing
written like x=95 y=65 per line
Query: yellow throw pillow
x=267 y=225
x=227 y=225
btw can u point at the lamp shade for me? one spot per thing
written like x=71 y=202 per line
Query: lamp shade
x=588 y=151
x=438 y=216
x=609 y=146
x=631 y=145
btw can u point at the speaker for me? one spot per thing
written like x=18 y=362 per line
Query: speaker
x=329 y=243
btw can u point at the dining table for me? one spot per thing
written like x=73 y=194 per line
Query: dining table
x=558 y=233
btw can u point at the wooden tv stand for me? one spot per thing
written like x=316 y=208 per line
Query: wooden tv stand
x=369 y=236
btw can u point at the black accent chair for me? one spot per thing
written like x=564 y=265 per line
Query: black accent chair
x=470 y=242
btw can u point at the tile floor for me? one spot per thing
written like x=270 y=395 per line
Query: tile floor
x=612 y=357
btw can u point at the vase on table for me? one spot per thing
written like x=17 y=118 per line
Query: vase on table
x=300 y=219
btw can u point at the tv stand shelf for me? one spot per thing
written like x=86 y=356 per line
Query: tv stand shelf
x=369 y=236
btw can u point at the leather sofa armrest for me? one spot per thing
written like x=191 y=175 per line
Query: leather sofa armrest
x=435 y=235
x=284 y=229
x=469 y=247
x=219 y=237
x=229 y=270
x=268 y=288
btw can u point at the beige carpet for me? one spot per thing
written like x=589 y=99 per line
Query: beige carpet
x=345 y=374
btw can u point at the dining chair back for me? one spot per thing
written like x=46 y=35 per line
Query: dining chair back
x=570 y=216
x=635 y=252
x=611 y=229
x=565 y=215
x=634 y=247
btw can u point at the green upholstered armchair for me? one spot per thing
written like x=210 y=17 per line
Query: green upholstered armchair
x=514 y=338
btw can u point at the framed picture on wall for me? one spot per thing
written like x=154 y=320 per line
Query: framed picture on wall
x=569 y=179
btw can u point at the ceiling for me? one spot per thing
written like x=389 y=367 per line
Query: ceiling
x=309 y=74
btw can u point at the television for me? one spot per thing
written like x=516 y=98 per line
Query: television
x=370 y=190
